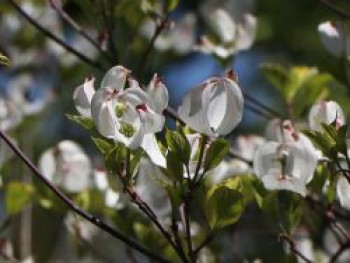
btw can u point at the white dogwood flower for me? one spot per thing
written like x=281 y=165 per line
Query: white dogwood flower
x=67 y=166
x=286 y=165
x=325 y=112
x=124 y=112
x=10 y=114
x=333 y=37
x=214 y=108
x=229 y=36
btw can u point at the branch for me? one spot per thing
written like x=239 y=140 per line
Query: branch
x=293 y=247
x=109 y=27
x=204 y=243
x=69 y=20
x=334 y=9
x=341 y=249
x=159 y=28
x=94 y=220
x=143 y=206
x=55 y=38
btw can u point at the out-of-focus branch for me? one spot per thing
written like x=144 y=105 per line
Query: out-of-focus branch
x=55 y=38
x=107 y=16
x=69 y=20
x=159 y=28
x=94 y=220
x=293 y=247
x=336 y=10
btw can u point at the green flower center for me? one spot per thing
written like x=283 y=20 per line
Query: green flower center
x=119 y=110
x=127 y=129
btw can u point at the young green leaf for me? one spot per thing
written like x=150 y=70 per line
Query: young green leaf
x=216 y=153
x=87 y=123
x=179 y=145
x=4 y=60
x=17 y=196
x=224 y=203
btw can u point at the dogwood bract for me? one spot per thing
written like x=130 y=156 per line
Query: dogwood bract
x=214 y=108
x=333 y=37
x=325 y=112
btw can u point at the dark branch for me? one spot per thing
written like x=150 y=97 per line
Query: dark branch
x=334 y=9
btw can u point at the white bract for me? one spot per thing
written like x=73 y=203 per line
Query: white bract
x=325 y=112
x=343 y=192
x=214 y=108
x=10 y=115
x=67 y=166
x=280 y=131
x=333 y=37
x=124 y=112
x=229 y=36
x=286 y=165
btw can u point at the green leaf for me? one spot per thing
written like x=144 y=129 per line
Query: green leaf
x=174 y=194
x=18 y=195
x=216 y=153
x=86 y=123
x=179 y=145
x=105 y=147
x=224 y=203
x=4 y=60
x=175 y=168
x=171 y=4
x=277 y=75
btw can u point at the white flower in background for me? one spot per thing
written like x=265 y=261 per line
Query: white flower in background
x=5 y=152
x=343 y=192
x=229 y=36
x=214 y=108
x=331 y=245
x=180 y=37
x=303 y=244
x=124 y=112
x=286 y=165
x=146 y=187
x=10 y=115
x=333 y=37
x=67 y=166
x=325 y=112
x=23 y=90
x=112 y=198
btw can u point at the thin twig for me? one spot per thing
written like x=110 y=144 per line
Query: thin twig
x=206 y=241
x=94 y=220
x=69 y=20
x=55 y=38
x=136 y=199
x=341 y=249
x=334 y=9
x=159 y=28
x=293 y=248
x=108 y=21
